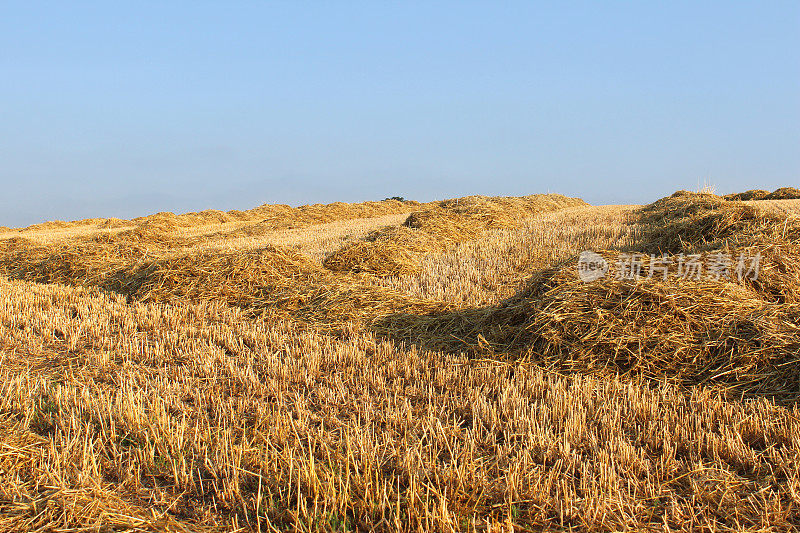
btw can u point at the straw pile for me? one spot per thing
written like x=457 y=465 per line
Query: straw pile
x=50 y=225
x=273 y=281
x=753 y=194
x=686 y=221
x=284 y=217
x=103 y=262
x=279 y=216
x=273 y=216
x=112 y=261
x=388 y=252
x=742 y=336
x=112 y=223
x=694 y=333
x=694 y=223
x=238 y=278
x=398 y=250
x=784 y=193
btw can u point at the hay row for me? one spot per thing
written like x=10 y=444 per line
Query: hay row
x=274 y=216
x=702 y=221
x=784 y=193
x=693 y=332
x=742 y=336
x=398 y=251
x=277 y=282
x=274 y=282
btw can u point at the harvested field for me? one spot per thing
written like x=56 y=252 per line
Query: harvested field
x=317 y=241
x=487 y=270
x=441 y=368
x=784 y=193
x=754 y=194
x=438 y=228
x=788 y=207
x=273 y=217
x=48 y=235
x=739 y=334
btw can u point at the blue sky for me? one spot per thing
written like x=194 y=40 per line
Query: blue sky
x=123 y=109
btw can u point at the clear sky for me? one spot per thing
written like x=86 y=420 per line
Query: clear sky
x=128 y=108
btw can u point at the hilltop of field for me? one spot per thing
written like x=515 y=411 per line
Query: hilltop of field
x=407 y=366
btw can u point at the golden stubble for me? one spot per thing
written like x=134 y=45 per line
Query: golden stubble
x=120 y=414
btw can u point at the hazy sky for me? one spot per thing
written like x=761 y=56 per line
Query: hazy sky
x=122 y=110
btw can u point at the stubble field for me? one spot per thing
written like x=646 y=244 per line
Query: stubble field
x=401 y=366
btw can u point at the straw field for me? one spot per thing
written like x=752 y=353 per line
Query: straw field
x=396 y=366
x=790 y=207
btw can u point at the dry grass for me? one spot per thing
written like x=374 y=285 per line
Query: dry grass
x=787 y=207
x=48 y=235
x=170 y=377
x=751 y=195
x=317 y=241
x=487 y=270
x=742 y=336
x=272 y=216
x=438 y=228
x=687 y=220
x=191 y=417
x=784 y=193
